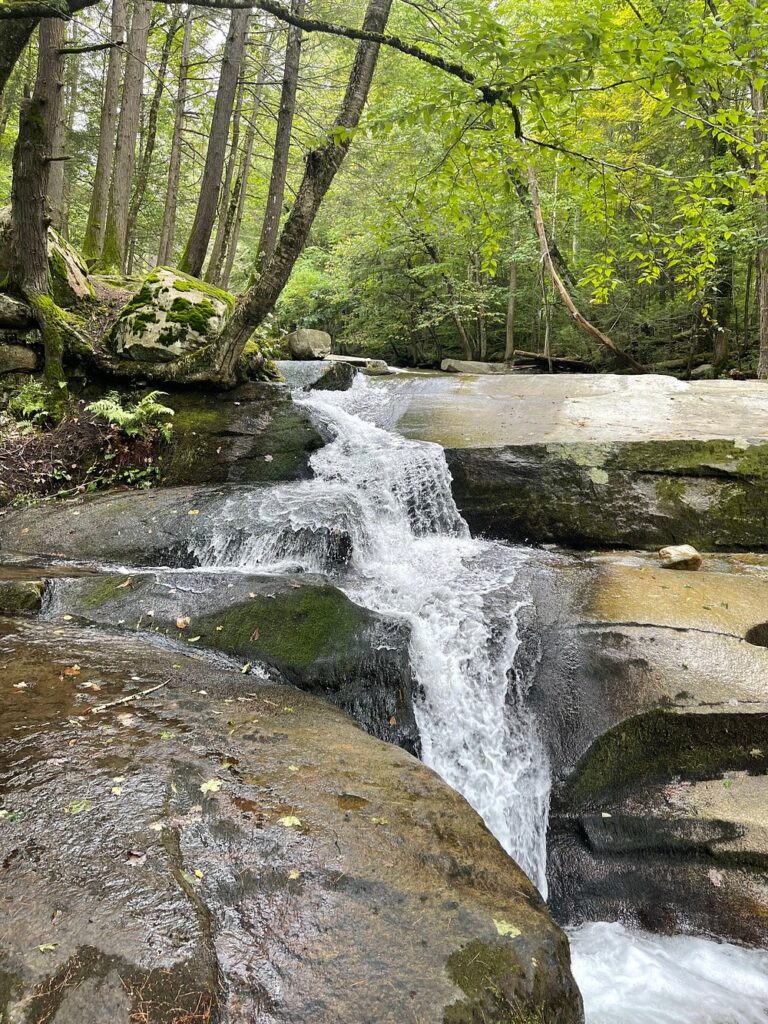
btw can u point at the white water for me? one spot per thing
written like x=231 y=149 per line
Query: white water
x=379 y=516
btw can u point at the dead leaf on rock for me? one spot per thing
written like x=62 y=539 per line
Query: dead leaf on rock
x=135 y=858
x=211 y=786
x=125 y=583
x=255 y=635
x=72 y=670
x=182 y=623
x=289 y=821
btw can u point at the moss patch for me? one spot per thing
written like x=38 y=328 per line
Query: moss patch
x=20 y=597
x=659 y=746
x=487 y=974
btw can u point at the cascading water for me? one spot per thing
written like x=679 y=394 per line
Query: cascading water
x=379 y=517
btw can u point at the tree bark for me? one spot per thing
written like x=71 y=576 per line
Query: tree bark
x=202 y=227
x=761 y=257
x=546 y=256
x=145 y=164
x=29 y=218
x=168 y=229
x=322 y=166
x=97 y=212
x=237 y=205
x=13 y=38
x=57 y=169
x=116 y=232
x=509 y=346
x=226 y=188
x=276 y=194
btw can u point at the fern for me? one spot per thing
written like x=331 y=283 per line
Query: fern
x=137 y=419
x=33 y=403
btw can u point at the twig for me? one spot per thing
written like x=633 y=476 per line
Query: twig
x=125 y=700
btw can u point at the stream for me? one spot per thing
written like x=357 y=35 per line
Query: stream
x=378 y=517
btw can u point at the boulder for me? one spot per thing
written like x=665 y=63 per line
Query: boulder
x=17 y=358
x=316 y=374
x=222 y=849
x=299 y=628
x=475 y=366
x=172 y=315
x=308 y=344
x=602 y=460
x=650 y=681
x=680 y=556
x=70 y=285
x=21 y=596
x=250 y=434
x=14 y=313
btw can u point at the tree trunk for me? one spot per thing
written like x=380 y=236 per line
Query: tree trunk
x=761 y=258
x=14 y=36
x=276 y=195
x=142 y=176
x=482 y=331
x=97 y=213
x=509 y=345
x=29 y=218
x=322 y=166
x=116 y=232
x=56 y=171
x=205 y=215
x=237 y=205
x=546 y=256
x=168 y=229
x=226 y=188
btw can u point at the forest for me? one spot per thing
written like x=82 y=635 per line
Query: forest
x=571 y=180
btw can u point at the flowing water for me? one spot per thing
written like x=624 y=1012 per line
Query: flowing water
x=378 y=516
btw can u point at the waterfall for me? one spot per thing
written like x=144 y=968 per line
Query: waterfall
x=379 y=517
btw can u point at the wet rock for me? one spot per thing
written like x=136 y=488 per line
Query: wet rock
x=171 y=316
x=20 y=596
x=317 y=374
x=647 y=682
x=603 y=461
x=295 y=869
x=159 y=527
x=308 y=344
x=251 y=434
x=300 y=627
x=475 y=366
x=680 y=556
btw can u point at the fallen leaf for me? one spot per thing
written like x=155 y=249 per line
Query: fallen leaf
x=157 y=826
x=290 y=821
x=245 y=667
x=182 y=623
x=715 y=877
x=194 y=512
x=505 y=928
x=211 y=786
x=72 y=670
x=193 y=639
x=78 y=806
x=380 y=821
x=293 y=767
x=67 y=618
x=294 y=874
x=255 y=635
x=268 y=458
x=198 y=873
x=393 y=720
x=135 y=857
x=219 y=629
x=47 y=947
x=126 y=583
x=116 y=790
x=21 y=686
x=166 y=735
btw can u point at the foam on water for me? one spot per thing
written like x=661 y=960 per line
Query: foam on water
x=379 y=517
x=630 y=977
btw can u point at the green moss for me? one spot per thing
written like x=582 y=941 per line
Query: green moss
x=662 y=745
x=106 y=589
x=195 y=316
x=20 y=597
x=486 y=974
x=297 y=627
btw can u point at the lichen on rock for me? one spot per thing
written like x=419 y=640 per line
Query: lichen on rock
x=172 y=315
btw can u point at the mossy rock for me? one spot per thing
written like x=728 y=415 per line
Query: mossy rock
x=171 y=316
x=712 y=494
x=70 y=285
x=21 y=597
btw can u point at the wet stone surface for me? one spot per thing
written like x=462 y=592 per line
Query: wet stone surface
x=219 y=849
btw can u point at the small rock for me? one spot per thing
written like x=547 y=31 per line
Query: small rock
x=14 y=313
x=680 y=556
x=704 y=372
x=376 y=368
x=16 y=358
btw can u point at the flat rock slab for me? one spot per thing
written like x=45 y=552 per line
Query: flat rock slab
x=652 y=691
x=492 y=412
x=219 y=850
x=595 y=461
